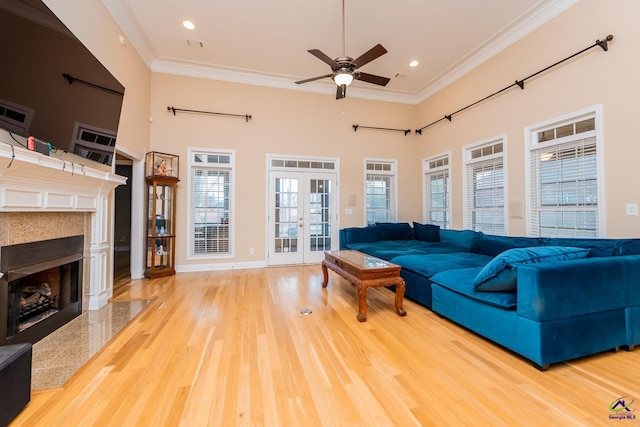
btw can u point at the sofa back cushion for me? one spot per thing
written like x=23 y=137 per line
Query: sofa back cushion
x=361 y=235
x=395 y=230
x=461 y=238
x=489 y=244
x=500 y=274
x=629 y=247
x=426 y=232
x=597 y=247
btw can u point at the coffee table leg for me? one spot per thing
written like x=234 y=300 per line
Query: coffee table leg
x=400 y=288
x=362 y=302
x=325 y=275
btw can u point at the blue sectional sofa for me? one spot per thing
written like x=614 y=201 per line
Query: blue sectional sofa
x=547 y=299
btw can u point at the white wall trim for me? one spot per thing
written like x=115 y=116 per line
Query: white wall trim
x=194 y=268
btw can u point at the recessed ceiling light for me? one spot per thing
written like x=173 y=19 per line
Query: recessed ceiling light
x=413 y=63
x=188 y=25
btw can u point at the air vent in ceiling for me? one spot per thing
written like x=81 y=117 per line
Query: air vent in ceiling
x=195 y=43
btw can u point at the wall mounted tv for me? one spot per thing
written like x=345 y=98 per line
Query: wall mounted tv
x=52 y=87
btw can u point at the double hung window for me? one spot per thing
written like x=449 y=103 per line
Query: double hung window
x=210 y=203
x=437 y=191
x=380 y=191
x=484 y=187
x=564 y=188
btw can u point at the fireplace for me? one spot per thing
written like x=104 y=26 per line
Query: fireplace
x=40 y=287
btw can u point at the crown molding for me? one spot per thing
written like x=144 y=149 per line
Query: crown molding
x=203 y=71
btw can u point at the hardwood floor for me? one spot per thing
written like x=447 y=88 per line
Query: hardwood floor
x=232 y=348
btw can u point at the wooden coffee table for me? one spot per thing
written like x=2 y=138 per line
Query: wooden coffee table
x=364 y=271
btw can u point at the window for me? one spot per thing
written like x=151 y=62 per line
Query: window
x=563 y=185
x=437 y=191
x=210 y=203
x=484 y=187
x=380 y=191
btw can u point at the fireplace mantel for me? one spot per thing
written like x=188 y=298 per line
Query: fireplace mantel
x=33 y=182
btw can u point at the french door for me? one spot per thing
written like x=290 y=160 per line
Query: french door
x=303 y=220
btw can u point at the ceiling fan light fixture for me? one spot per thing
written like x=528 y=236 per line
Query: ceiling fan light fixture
x=343 y=78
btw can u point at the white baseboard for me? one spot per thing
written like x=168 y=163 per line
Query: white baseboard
x=193 y=268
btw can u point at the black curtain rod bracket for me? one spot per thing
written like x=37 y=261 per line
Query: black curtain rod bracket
x=72 y=80
x=604 y=44
x=246 y=117
x=405 y=131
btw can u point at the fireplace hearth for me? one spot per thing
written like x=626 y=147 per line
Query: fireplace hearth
x=40 y=288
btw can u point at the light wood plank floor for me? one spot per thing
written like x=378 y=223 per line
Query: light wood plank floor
x=231 y=348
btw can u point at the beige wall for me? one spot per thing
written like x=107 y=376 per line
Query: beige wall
x=284 y=122
x=593 y=78
x=306 y=124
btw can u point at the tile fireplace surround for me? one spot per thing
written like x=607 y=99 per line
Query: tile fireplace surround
x=46 y=197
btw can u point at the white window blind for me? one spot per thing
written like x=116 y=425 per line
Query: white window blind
x=564 y=181
x=437 y=192
x=211 y=216
x=380 y=191
x=484 y=181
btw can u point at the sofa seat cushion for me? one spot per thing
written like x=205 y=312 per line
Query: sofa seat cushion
x=387 y=249
x=500 y=274
x=461 y=281
x=428 y=265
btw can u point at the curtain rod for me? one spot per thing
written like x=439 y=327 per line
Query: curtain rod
x=520 y=83
x=406 y=131
x=174 y=110
x=72 y=79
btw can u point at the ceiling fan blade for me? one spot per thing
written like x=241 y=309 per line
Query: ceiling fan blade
x=323 y=57
x=313 y=79
x=376 y=80
x=369 y=55
x=341 y=92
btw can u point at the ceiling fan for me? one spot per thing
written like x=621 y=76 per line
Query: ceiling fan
x=344 y=68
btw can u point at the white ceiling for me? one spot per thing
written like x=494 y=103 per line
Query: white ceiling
x=266 y=42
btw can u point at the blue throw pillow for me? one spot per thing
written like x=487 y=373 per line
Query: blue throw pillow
x=500 y=274
x=426 y=232
x=395 y=230
x=462 y=238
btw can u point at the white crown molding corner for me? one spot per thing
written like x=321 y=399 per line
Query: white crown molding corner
x=124 y=18
x=516 y=30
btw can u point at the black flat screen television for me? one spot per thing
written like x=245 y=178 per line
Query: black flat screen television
x=52 y=87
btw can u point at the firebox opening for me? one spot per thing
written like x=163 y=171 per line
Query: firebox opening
x=41 y=289
x=38 y=296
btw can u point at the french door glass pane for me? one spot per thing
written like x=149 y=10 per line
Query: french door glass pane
x=319 y=215
x=286 y=215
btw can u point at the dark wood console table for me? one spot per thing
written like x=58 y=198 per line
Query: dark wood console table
x=364 y=271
